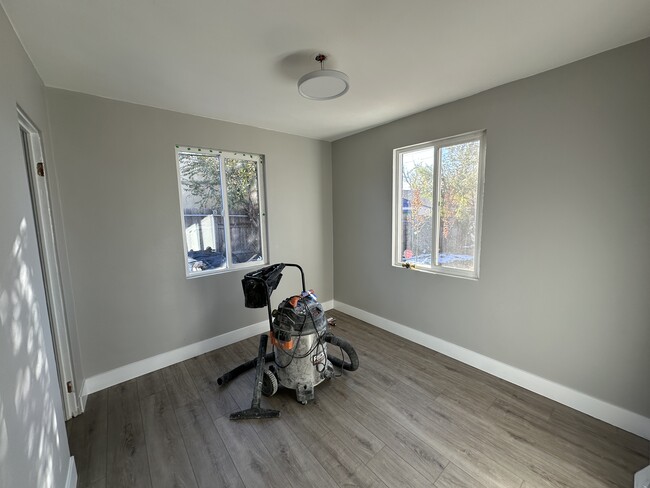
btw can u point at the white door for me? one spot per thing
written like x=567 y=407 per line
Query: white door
x=37 y=173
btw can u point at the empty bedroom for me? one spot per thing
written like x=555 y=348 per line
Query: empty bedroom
x=325 y=244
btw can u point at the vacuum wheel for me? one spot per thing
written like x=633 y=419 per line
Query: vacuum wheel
x=269 y=383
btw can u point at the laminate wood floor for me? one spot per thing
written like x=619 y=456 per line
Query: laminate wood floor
x=408 y=417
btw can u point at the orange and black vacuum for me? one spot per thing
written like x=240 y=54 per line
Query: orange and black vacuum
x=299 y=333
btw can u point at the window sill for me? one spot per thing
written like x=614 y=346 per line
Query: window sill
x=218 y=271
x=442 y=271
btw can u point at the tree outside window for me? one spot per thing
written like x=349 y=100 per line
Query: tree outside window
x=437 y=222
x=222 y=209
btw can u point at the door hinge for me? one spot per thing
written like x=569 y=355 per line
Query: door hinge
x=69 y=383
x=40 y=169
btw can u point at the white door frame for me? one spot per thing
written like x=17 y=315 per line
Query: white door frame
x=37 y=173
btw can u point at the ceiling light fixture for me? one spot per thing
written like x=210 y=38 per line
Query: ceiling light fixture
x=323 y=84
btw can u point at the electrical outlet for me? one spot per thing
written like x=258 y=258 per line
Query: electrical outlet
x=642 y=478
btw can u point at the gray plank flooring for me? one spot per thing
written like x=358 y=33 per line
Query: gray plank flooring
x=409 y=417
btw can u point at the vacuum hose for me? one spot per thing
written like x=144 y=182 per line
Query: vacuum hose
x=349 y=350
x=328 y=337
x=242 y=368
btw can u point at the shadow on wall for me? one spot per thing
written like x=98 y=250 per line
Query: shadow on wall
x=29 y=434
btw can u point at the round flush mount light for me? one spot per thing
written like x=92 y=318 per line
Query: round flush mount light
x=323 y=84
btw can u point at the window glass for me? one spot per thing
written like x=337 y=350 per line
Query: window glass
x=417 y=207
x=221 y=205
x=438 y=208
x=458 y=192
x=244 y=210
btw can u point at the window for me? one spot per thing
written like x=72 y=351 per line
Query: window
x=438 y=192
x=222 y=208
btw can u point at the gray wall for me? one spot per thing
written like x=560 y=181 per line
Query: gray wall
x=119 y=196
x=565 y=267
x=33 y=444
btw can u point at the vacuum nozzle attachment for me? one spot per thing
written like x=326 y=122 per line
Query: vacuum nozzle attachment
x=256 y=412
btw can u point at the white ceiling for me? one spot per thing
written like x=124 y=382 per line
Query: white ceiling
x=239 y=60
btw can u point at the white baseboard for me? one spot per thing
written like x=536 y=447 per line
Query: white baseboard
x=153 y=363
x=612 y=414
x=71 y=479
x=83 y=397
x=133 y=370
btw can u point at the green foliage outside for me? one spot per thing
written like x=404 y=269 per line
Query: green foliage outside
x=201 y=181
x=243 y=196
x=198 y=177
x=201 y=178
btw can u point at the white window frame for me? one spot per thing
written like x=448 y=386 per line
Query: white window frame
x=437 y=145
x=230 y=266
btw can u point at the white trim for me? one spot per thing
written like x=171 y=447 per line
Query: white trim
x=44 y=221
x=397 y=213
x=261 y=189
x=223 y=183
x=133 y=370
x=612 y=414
x=153 y=363
x=83 y=397
x=71 y=479
x=642 y=478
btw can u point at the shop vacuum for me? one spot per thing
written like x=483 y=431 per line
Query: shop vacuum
x=300 y=333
